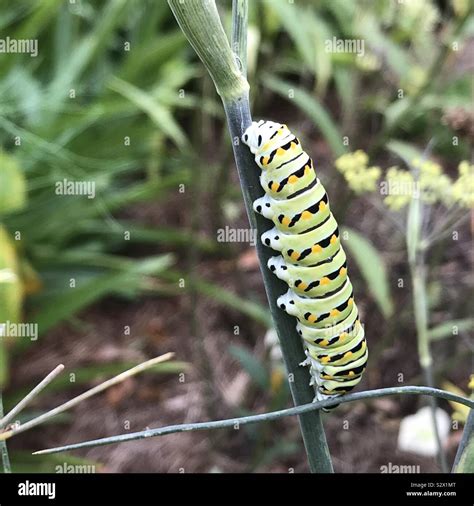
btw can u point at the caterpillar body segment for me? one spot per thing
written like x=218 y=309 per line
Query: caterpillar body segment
x=312 y=261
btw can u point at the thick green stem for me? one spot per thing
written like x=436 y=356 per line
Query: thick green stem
x=210 y=43
x=465 y=449
x=200 y=22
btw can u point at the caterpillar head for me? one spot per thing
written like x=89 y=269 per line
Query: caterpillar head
x=271 y=238
x=258 y=134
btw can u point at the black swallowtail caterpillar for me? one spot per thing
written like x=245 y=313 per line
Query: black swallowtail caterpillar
x=312 y=260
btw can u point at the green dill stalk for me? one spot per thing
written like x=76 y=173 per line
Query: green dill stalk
x=200 y=22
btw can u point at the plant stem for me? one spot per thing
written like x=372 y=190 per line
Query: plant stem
x=264 y=417
x=240 y=10
x=28 y=398
x=82 y=397
x=3 y=445
x=418 y=274
x=465 y=441
x=210 y=42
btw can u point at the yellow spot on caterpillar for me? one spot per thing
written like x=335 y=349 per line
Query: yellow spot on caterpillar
x=351 y=301
x=286 y=221
x=280 y=152
x=306 y=215
x=293 y=179
x=322 y=206
x=325 y=281
x=324 y=342
x=348 y=354
x=333 y=239
x=316 y=248
x=307 y=170
x=325 y=359
x=275 y=187
x=295 y=255
x=266 y=146
x=302 y=286
x=351 y=373
x=334 y=312
x=265 y=160
x=293 y=145
x=311 y=318
x=343 y=271
x=343 y=336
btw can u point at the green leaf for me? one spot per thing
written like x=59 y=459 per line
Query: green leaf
x=450 y=328
x=311 y=106
x=68 y=301
x=407 y=152
x=159 y=114
x=372 y=268
x=252 y=365
x=12 y=184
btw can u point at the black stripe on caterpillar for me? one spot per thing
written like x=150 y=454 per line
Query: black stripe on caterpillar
x=312 y=260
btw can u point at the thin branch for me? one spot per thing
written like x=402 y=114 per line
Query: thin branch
x=3 y=446
x=34 y=393
x=240 y=10
x=265 y=417
x=82 y=397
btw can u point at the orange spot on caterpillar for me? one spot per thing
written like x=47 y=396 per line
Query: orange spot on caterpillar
x=325 y=281
x=306 y=215
x=295 y=255
x=343 y=271
x=334 y=312
x=316 y=248
x=275 y=187
x=286 y=221
x=293 y=179
x=311 y=318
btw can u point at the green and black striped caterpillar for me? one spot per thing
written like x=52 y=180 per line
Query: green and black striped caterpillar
x=312 y=260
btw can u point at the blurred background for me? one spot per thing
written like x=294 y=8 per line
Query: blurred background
x=146 y=256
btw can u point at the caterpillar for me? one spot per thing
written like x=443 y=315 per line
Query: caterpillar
x=312 y=261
